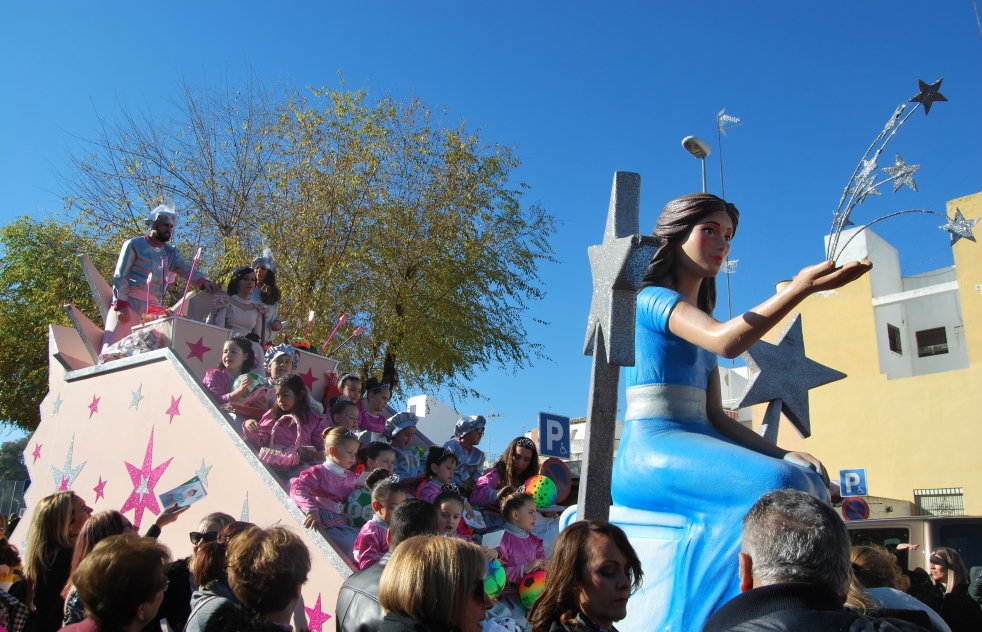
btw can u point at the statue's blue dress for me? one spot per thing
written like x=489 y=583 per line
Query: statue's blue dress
x=672 y=459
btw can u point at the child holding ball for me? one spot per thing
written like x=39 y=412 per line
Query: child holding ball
x=521 y=551
x=320 y=491
x=387 y=494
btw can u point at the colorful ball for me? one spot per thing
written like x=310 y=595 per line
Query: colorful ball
x=358 y=509
x=542 y=489
x=494 y=581
x=257 y=381
x=531 y=587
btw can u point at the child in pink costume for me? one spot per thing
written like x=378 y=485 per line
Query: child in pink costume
x=238 y=358
x=291 y=399
x=521 y=552
x=320 y=490
x=371 y=543
x=440 y=464
x=372 y=417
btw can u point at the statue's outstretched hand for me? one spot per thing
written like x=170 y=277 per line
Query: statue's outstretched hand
x=806 y=460
x=825 y=276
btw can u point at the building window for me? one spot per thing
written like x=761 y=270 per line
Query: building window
x=949 y=501
x=412 y=408
x=932 y=342
x=893 y=334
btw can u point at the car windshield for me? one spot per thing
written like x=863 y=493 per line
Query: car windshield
x=887 y=537
x=966 y=539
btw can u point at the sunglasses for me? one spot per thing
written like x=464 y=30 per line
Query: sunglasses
x=479 y=593
x=201 y=538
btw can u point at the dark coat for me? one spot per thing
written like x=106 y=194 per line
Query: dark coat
x=959 y=610
x=48 y=602
x=394 y=622
x=358 y=609
x=796 y=607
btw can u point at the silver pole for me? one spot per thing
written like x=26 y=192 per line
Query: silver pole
x=703 y=175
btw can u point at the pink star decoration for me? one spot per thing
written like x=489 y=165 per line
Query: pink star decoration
x=174 y=410
x=197 y=349
x=144 y=479
x=316 y=617
x=94 y=406
x=100 y=490
x=37 y=453
x=308 y=378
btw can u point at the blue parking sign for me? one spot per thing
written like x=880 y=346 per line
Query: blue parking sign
x=553 y=435
x=853 y=483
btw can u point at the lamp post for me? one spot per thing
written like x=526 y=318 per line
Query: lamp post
x=699 y=149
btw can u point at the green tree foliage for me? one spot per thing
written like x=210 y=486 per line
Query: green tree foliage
x=39 y=275
x=12 y=467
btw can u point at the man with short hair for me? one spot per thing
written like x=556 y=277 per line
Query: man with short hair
x=795 y=572
x=358 y=609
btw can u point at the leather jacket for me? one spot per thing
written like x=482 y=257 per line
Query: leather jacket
x=358 y=609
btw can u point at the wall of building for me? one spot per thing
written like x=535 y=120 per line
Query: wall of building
x=913 y=432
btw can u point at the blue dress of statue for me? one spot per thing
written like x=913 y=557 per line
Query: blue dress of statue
x=673 y=460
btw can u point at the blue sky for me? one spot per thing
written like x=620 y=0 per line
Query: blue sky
x=582 y=89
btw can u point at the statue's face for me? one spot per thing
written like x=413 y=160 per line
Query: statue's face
x=705 y=248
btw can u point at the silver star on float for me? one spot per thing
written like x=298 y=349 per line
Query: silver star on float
x=244 y=514
x=64 y=478
x=202 y=473
x=928 y=94
x=902 y=174
x=783 y=372
x=137 y=396
x=865 y=182
x=893 y=119
x=56 y=406
x=959 y=227
x=618 y=265
x=144 y=487
x=724 y=121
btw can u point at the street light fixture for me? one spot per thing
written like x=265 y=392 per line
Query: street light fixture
x=699 y=149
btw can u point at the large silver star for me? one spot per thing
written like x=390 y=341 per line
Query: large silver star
x=902 y=174
x=928 y=94
x=144 y=487
x=959 y=227
x=56 y=406
x=783 y=372
x=64 y=478
x=618 y=265
x=202 y=473
x=137 y=396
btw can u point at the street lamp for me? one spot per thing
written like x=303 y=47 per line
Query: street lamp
x=699 y=149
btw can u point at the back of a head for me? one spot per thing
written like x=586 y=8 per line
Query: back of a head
x=96 y=529
x=411 y=518
x=229 y=617
x=876 y=567
x=266 y=568
x=792 y=536
x=209 y=562
x=121 y=573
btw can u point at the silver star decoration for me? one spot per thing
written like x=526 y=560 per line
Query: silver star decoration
x=143 y=489
x=928 y=94
x=893 y=119
x=902 y=174
x=244 y=514
x=56 y=406
x=137 y=396
x=202 y=473
x=69 y=473
x=618 y=265
x=959 y=227
x=783 y=372
x=724 y=121
x=865 y=185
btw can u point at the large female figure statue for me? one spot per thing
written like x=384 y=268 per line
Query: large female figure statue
x=679 y=452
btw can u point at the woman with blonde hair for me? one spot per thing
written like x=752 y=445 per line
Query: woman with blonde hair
x=878 y=575
x=433 y=584
x=950 y=577
x=55 y=526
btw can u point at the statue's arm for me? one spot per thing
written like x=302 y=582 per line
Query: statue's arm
x=735 y=336
x=731 y=428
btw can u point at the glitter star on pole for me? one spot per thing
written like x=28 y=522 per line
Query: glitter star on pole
x=316 y=617
x=144 y=479
x=202 y=473
x=137 y=397
x=928 y=94
x=94 y=406
x=56 y=406
x=197 y=349
x=174 y=410
x=782 y=372
x=960 y=228
x=37 y=453
x=66 y=476
x=100 y=490
x=902 y=174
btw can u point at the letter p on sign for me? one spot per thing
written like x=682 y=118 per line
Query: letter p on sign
x=553 y=435
x=853 y=483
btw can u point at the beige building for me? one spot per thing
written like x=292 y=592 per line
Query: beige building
x=912 y=348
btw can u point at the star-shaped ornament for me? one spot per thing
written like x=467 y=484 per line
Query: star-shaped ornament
x=100 y=490
x=308 y=378
x=65 y=477
x=244 y=514
x=37 y=453
x=197 y=349
x=960 y=228
x=144 y=479
x=56 y=406
x=902 y=174
x=928 y=94
x=316 y=617
x=783 y=372
x=618 y=265
x=94 y=406
x=174 y=410
x=202 y=473
x=137 y=397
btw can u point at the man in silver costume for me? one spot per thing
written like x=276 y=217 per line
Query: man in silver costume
x=138 y=259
